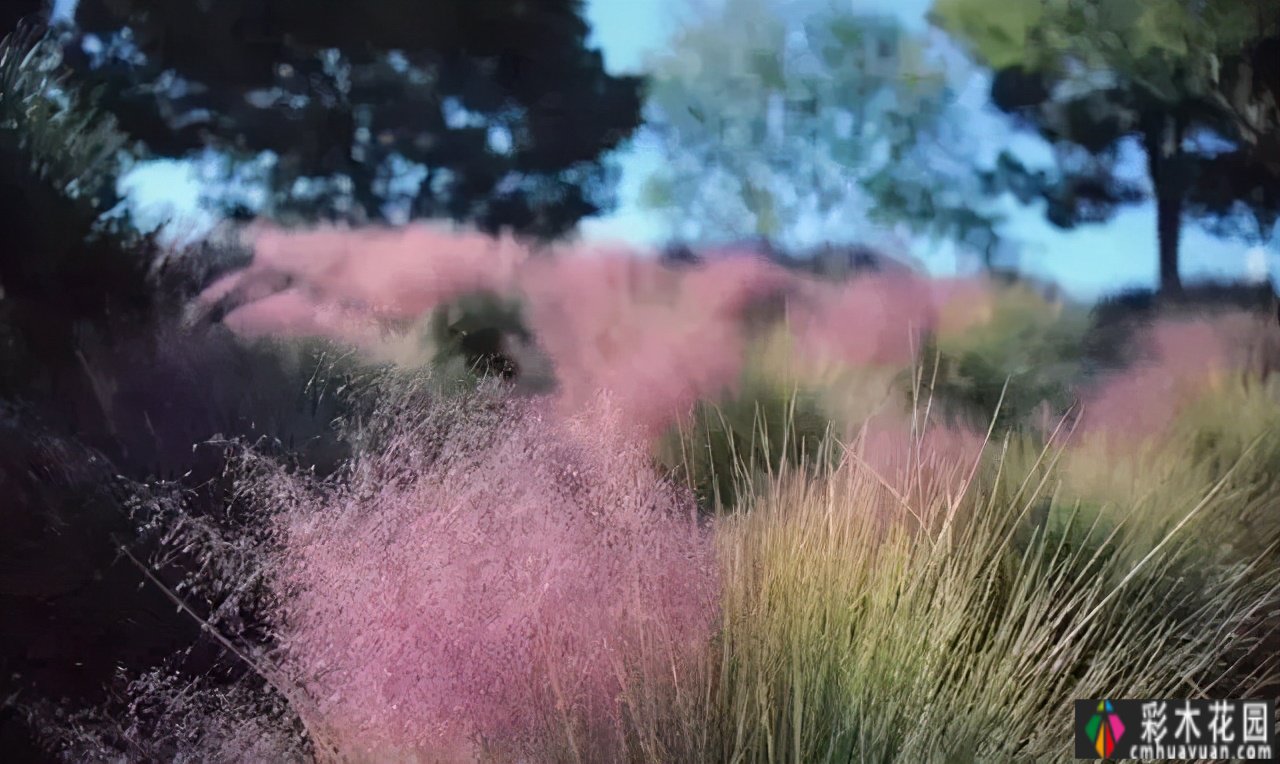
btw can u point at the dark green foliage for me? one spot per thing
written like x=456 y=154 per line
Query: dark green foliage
x=178 y=412
x=1186 y=82
x=101 y=392
x=843 y=262
x=1026 y=358
x=499 y=103
x=1237 y=194
x=67 y=602
x=88 y=313
x=478 y=329
x=484 y=335
x=74 y=612
x=207 y=385
x=725 y=448
x=1022 y=472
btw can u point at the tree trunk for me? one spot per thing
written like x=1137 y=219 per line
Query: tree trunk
x=1168 y=234
x=1164 y=150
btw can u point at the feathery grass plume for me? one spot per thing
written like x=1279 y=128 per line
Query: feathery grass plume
x=169 y=395
x=483 y=575
x=870 y=321
x=656 y=341
x=654 y=338
x=1177 y=360
x=291 y=312
x=479 y=579
x=396 y=273
x=168 y=717
x=64 y=601
x=362 y=288
x=178 y=405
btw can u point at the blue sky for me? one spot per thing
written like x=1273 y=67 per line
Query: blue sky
x=1086 y=262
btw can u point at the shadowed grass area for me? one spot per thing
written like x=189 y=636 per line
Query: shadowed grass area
x=725 y=448
x=1026 y=354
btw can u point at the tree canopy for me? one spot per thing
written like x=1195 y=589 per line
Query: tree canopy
x=494 y=112
x=771 y=122
x=1190 y=84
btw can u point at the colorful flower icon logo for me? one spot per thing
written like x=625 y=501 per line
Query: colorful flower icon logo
x=1104 y=729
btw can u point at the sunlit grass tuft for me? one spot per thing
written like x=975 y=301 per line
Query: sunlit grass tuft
x=860 y=623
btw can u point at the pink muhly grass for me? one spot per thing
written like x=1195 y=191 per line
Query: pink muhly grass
x=401 y=272
x=733 y=286
x=656 y=340
x=485 y=573
x=870 y=321
x=1178 y=360
x=246 y=286
x=292 y=313
x=394 y=274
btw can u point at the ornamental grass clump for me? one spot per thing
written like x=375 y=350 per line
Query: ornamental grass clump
x=859 y=622
x=484 y=578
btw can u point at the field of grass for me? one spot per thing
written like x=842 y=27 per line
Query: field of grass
x=590 y=509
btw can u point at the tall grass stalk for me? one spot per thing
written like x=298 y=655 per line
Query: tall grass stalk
x=852 y=630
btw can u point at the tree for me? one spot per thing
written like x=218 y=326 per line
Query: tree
x=487 y=111
x=1239 y=189
x=1185 y=82
x=770 y=124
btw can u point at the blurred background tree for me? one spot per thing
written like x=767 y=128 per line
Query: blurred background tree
x=783 y=123
x=1191 y=86
x=492 y=112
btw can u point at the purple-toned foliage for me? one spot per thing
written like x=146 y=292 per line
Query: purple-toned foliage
x=186 y=721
